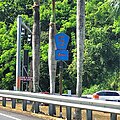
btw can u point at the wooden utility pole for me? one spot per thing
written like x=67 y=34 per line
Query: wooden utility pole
x=36 y=46
x=80 y=50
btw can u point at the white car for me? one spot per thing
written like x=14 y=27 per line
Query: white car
x=107 y=95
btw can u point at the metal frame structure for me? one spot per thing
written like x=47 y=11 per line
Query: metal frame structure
x=20 y=24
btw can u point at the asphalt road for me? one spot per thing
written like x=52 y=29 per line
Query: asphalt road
x=9 y=115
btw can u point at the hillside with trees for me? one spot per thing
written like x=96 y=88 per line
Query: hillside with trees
x=102 y=43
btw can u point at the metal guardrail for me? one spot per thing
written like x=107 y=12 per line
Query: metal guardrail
x=74 y=102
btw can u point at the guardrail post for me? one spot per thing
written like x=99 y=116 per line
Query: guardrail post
x=36 y=105
x=52 y=109
x=68 y=113
x=13 y=103
x=113 y=116
x=24 y=105
x=4 y=101
x=89 y=114
x=68 y=109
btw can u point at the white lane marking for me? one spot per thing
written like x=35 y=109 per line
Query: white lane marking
x=9 y=116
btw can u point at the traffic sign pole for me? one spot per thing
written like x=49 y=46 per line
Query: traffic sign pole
x=61 y=54
x=60 y=83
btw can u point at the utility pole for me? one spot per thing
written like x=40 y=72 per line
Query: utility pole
x=51 y=56
x=36 y=46
x=80 y=50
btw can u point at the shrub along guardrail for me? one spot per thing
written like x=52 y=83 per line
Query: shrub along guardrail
x=70 y=102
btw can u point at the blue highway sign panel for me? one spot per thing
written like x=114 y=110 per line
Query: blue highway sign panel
x=61 y=41
x=61 y=55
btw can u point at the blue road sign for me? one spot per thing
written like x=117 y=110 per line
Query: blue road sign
x=61 y=55
x=61 y=41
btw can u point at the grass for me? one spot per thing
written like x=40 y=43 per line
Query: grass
x=44 y=112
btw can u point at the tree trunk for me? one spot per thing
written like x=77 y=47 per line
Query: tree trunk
x=80 y=50
x=51 y=57
x=36 y=53
x=51 y=54
x=36 y=47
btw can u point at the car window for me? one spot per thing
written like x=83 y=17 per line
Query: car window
x=101 y=93
x=109 y=93
x=106 y=93
x=115 y=94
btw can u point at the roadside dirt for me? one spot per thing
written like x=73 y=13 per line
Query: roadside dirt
x=44 y=112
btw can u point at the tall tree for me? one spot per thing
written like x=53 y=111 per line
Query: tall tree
x=80 y=49
x=51 y=55
x=36 y=46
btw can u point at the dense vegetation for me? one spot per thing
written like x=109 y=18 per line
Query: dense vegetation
x=101 y=55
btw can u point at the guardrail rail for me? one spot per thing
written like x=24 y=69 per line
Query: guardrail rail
x=70 y=102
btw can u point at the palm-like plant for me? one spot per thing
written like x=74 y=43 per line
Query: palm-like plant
x=116 y=6
x=80 y=49
x=51 y=56
x=36 y=45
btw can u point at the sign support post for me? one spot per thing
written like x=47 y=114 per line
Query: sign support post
x=61 y=54
x=60 y=83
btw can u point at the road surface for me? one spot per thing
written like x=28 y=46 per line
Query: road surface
x=8 y=115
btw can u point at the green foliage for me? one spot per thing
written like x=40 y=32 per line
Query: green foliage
x=44 y=46
x=101 y=54
x=115 y=7
x=7 y=57
x=91 y=90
